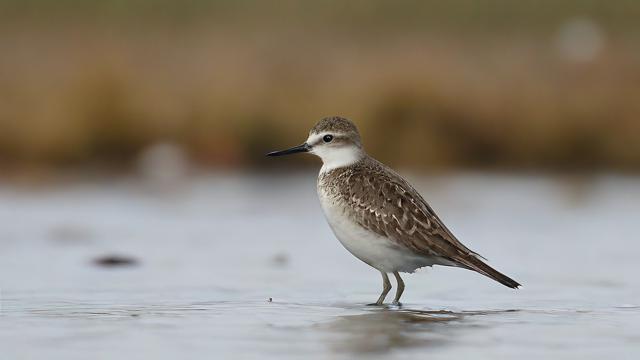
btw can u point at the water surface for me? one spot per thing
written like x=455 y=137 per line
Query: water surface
x=244 y=266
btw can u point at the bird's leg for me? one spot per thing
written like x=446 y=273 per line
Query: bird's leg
x=399 y=290
x=386 y=286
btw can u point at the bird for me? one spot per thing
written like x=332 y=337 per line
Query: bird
x=377 y=215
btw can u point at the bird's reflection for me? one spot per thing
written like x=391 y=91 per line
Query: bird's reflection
x=384 y=330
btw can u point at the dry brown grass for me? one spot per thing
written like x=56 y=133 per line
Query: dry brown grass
x=79 y=93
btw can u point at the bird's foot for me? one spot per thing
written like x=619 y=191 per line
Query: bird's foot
x=397 y=303
x=375 y=304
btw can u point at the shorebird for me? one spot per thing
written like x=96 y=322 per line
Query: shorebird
x=377 y=215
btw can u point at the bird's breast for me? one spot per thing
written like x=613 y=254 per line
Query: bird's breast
x=373 y=249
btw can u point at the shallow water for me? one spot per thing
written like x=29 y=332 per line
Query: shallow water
x=244 y=266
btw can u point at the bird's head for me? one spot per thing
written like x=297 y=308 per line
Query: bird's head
x=335 y=140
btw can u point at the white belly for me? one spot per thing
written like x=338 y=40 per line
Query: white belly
x=373 y=249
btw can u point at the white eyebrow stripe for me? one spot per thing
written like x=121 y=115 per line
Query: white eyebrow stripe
x=316 y=138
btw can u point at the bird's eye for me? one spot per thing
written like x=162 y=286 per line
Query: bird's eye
x=327 y=138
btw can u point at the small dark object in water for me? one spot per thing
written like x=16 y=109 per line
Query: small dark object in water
x=270 y=299
x=280 y=259
x=115 y=260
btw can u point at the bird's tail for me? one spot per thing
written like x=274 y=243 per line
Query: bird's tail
x=475 y=264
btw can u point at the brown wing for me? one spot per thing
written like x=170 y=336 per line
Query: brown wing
x=388 y=205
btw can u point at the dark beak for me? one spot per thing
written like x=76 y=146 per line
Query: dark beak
x=296 y=149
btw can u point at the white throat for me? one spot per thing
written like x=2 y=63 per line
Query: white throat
x=338 y=157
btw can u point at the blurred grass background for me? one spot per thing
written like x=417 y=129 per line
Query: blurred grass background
x=517 y=85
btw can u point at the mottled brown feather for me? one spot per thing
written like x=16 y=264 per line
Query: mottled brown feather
x=335 y=123
x=338 y=125
x=381 y=201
